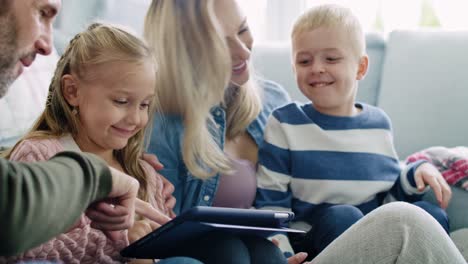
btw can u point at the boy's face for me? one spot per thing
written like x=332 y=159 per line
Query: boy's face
x=327 y=68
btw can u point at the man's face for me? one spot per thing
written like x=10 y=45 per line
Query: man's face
x=25 y=30
x=7 y=51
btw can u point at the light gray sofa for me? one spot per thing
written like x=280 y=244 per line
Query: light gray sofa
x=420 y=78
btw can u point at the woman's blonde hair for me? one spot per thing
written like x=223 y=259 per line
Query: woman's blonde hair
x=194 y=66
x=331 y=15
x=99 y=44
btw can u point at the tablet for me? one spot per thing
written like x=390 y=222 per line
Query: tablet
x=164 y=241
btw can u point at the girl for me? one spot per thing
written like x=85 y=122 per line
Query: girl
x=100 y=100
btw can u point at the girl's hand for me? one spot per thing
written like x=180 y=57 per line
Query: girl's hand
x=140 y=229
x=427 y=174
x=146 y=210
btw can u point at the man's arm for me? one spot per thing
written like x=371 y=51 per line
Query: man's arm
x=41 y=200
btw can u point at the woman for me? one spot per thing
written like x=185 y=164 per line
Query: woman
x=213 y=114
x=212 y=111
x=197 y=105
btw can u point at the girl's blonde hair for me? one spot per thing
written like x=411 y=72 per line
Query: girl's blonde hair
x=99 y=44
x=194 y=70
x=331 y=15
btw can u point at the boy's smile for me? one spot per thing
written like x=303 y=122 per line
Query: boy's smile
x=327 y=67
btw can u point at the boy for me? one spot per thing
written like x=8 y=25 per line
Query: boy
x=332 y=161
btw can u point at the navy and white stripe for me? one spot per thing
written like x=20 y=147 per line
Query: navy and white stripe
x=308 y=158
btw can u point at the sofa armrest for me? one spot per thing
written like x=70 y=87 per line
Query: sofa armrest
x=457 y=210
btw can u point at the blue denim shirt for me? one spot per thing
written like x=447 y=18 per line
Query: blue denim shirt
x=166 y=142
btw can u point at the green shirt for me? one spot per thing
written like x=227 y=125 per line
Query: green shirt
x=41 y=200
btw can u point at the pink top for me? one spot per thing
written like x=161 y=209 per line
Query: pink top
x=237 y=190
x=81 y=244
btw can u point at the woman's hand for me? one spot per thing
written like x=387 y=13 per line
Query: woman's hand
x=168 y=187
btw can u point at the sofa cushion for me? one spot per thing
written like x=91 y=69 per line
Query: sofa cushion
x=424 y=89
x=369 y=87
x=457 y=209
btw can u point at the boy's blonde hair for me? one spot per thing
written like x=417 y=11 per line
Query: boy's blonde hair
x=99 y=44
x=194 y=70
x=332 y=16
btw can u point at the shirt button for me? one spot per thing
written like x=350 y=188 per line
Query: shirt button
x=217 y=113
x=206 y=198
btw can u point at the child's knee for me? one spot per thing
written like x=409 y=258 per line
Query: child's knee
x=343 y=214
x=262 y=250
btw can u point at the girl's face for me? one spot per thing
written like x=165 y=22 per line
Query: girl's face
x=238 y=37
x=113 y=106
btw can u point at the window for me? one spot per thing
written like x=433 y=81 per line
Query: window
x=271 y=20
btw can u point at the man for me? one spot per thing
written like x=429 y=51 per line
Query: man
x=41 y=200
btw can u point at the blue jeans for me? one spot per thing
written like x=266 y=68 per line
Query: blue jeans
x=175 y=260
x=436 y=212
x=328 y=222
x=222 y=247
x=179 y=260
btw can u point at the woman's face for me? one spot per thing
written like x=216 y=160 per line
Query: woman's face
x=238 y=37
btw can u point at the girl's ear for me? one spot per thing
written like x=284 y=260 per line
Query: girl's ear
x=363 y=66
x=70 y=89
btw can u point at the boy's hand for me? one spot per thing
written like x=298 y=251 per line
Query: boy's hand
x=296 y=259
x=427 y=174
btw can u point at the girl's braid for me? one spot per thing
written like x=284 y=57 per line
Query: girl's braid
x=63 y=67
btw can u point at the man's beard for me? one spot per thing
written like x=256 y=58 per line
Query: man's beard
x=8 y=53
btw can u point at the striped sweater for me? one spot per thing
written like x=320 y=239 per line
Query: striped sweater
x=308 y=158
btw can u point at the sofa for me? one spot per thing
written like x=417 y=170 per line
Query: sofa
x=418 y=77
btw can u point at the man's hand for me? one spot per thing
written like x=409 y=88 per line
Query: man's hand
x=168 y=187
x=427 y=174
x=117 y=211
